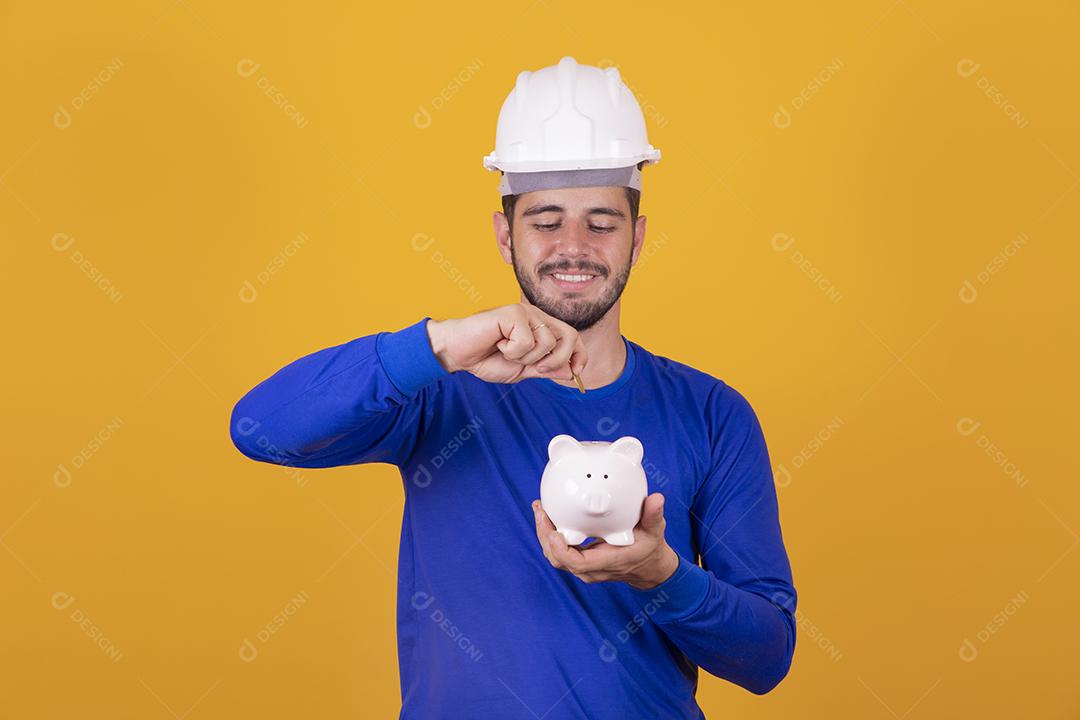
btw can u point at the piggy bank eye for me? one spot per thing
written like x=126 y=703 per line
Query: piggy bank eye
x=605 y=476
x=588 y=474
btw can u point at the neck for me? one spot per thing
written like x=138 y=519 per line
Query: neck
x=606 y=349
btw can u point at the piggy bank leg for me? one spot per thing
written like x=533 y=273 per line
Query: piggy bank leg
x=620 y=538
x=573 y=537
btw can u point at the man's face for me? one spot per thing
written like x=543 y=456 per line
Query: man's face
x=572 y=250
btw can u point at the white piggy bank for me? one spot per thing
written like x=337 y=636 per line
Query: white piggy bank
x=594 y=488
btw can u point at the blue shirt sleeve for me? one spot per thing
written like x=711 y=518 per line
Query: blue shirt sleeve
x=359 y=402
x=733 y=615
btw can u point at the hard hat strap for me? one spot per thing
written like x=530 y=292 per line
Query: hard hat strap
x=515 y=183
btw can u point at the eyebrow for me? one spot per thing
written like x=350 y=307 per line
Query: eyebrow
x=559 y=208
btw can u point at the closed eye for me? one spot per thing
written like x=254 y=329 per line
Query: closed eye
x=548 y=227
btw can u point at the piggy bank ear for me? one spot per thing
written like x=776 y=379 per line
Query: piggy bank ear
x=561 y=446
x=629 y=447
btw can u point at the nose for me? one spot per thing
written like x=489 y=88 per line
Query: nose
x=573 y=241
x=597 y=502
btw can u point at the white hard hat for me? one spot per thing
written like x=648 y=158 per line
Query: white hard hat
x=569 y=125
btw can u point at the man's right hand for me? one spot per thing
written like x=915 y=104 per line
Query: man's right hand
x=507 y=344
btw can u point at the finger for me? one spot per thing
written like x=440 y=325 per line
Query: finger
x=579 y=356
x=602 y=557
x=573 y=352
x=543 y=522
x=652 y=515
x=596 y=557
x=594 y=577
x=540 y=518
x=569 y=557
x=563 y=556
x=544 y=342
x=518 y=337
x=543 y=529
x=557 y=361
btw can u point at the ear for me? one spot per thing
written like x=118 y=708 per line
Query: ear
x=639 y=239
x=562 y=446
x=629 y=447
x=502 y=237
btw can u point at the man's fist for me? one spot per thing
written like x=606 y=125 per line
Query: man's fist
x=507 y=344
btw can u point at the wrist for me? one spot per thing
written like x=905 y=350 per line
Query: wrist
x=666 y=566
x=406 y=358
x=437 y=336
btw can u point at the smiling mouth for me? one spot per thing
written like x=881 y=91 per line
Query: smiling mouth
x=582 y=277
x=572 y=281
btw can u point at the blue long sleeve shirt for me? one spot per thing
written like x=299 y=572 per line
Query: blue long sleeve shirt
x=486 y=627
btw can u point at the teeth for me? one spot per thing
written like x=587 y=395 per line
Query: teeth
x=573 y=278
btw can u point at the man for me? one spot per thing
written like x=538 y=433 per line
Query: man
x=497 y=616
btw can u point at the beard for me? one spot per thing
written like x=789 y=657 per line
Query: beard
x=579 y=313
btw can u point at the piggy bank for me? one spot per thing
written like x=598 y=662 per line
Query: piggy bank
x=594 y=488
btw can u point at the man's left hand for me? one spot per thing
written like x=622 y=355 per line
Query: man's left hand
x=644 y=565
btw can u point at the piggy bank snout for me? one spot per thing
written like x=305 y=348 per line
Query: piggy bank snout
x=597 y=502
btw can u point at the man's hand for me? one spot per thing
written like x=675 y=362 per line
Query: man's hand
x=507 y=344
x=644 y=565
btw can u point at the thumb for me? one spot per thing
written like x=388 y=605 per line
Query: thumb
x=652 y=514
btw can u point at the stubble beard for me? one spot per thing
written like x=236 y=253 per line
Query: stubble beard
x=579 y=313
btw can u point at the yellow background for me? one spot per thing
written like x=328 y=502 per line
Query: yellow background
x=185 y=234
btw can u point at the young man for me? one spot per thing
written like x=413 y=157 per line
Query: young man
x=497 y=616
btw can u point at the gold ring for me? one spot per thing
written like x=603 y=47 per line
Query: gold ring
x=537 y=327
